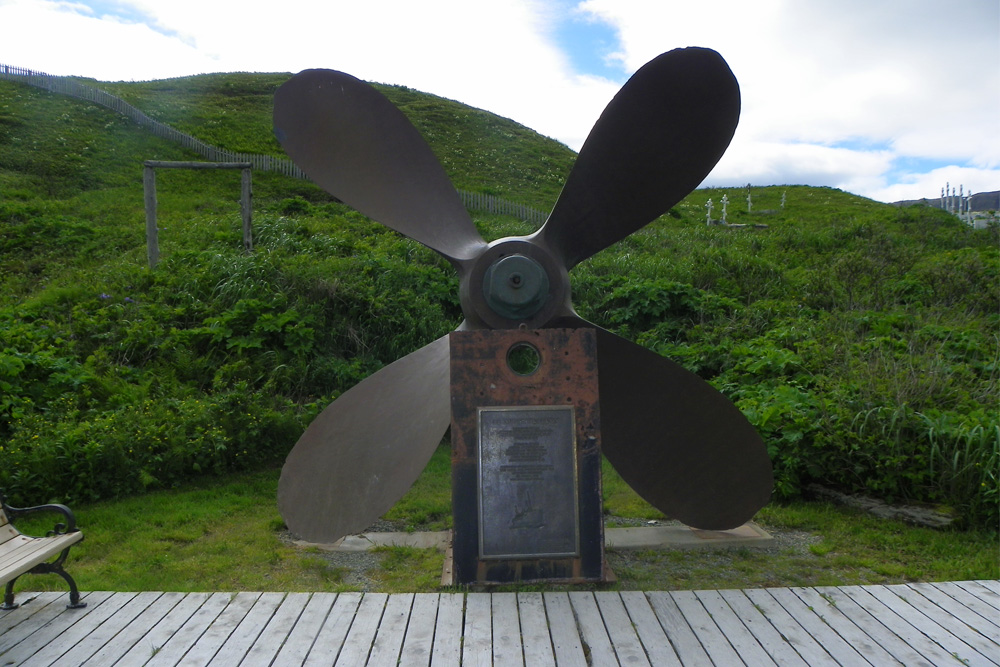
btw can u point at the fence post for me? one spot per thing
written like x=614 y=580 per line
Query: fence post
x=149 y=196
x=246 y=198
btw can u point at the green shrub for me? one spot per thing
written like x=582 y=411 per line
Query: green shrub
x=859 y=338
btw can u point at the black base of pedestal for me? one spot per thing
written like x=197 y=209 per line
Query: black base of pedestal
x=524 y=575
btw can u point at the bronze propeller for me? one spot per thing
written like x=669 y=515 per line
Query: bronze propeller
x=677 y=441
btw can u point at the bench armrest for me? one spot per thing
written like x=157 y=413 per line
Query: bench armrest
x=61 y=528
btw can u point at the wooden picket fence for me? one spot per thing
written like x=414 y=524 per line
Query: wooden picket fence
x=474 y=201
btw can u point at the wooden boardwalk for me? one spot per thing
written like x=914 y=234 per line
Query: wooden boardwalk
x=952 y=623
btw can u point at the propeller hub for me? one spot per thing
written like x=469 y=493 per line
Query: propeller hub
x=515 y=286
x=514 y=282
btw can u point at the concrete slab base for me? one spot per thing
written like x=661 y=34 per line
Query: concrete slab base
x=684 y=537
x=671 y=536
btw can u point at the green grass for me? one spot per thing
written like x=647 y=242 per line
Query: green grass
x=852 y=548
x=620 y=499
x=427 y=505
x=407 y=569
x=226 y=534
x=212 y=535
x=858 y=338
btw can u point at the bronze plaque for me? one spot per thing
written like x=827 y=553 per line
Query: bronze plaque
x=528 y=483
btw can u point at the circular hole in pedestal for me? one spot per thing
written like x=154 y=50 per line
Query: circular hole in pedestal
x=523 y=358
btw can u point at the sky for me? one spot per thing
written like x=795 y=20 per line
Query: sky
x=888 y=99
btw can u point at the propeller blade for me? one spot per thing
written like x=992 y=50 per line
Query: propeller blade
x=655 y=142
x=676 y=440
x=364 y=451
x=355 y=144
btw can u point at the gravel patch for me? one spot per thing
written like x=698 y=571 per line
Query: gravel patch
x=358 y=568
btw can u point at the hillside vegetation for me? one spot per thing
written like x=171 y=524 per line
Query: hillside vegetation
x=861 y=339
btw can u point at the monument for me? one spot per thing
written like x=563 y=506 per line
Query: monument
x=534 y=394
x=526 y=456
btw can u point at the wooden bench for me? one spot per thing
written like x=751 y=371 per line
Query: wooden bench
x=20 y=554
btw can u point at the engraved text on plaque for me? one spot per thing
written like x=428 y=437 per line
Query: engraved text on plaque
x=527 y=483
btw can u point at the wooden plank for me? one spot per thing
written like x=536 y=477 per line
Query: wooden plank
x=620 y=630
x=391 y=630
x=162 y=631
x=181 y=164
x=22 y=553
x=217 y=630
x=678 y=631
x=133 y=634
x=955 y=608
x=112 y=628
x=477 y=645
x=813 y=639
x=740 y=638
x=779 y=645
x=246 y=209
x=940 y=634
x=872 y=626
x=507 y=648
x=59 y=636
x=566 y=642
x=296 y=646
x=246 y=632
x=149 y=199
x=592 y=630
x=992 y=584
x=708 y=633
x=981 y=591
x=930 y=650
x=831 y=615
x=36 y=610
x=29 y=603
x=650 y=632
x=967 y=599
x=331 y=636
x=359 y=639
x=420 y=631
x=63 y=631
x=447 y=650
x=955 y=624
x=535 y=637
x=278 y=629
x=916 y=624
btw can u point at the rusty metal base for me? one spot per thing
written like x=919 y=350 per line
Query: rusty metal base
x=482 y=378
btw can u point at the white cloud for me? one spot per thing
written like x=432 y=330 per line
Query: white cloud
x=928 y=184
x=835 y=92
x=917 y=77
x=71 y=39
x=766 y=163
x=496 y=56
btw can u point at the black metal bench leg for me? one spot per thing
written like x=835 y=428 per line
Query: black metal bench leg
x=74 y=592
x=57 y=567
x=8 y=596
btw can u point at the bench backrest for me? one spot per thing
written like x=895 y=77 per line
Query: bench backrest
x=7 y=529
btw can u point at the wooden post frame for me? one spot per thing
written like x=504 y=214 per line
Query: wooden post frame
x=149 y=197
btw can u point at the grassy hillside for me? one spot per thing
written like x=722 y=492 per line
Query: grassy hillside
x=480 y=152
x=858 y=337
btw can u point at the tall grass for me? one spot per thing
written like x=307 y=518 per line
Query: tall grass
x=859 y=338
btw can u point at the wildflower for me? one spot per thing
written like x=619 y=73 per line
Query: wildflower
x=104 y=296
